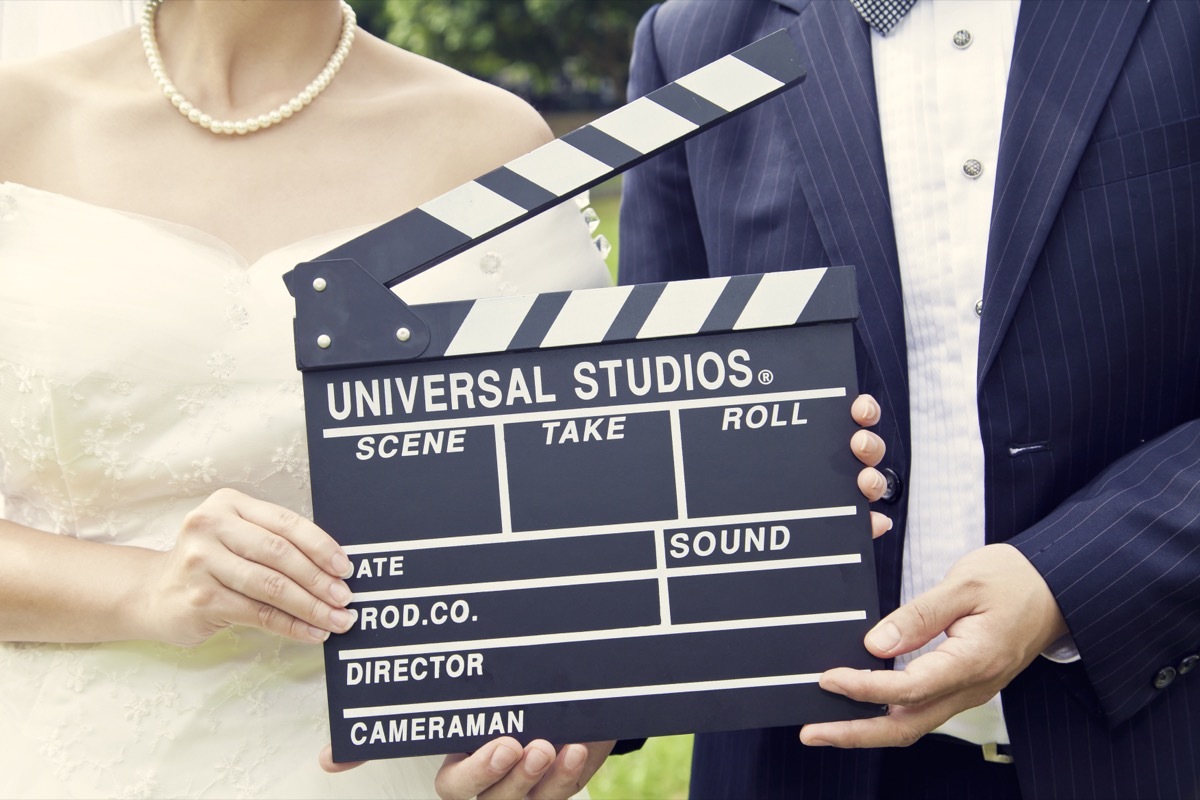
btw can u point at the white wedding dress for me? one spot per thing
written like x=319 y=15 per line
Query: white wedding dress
x=144 y=364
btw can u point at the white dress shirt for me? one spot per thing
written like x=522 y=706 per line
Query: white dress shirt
x=940 y=78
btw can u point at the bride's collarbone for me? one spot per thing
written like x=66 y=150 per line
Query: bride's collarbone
x=353 y=158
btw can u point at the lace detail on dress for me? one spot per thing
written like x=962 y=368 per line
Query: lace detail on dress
x=113 y=461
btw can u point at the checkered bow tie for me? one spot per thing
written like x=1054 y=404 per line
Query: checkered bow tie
x=882 y=15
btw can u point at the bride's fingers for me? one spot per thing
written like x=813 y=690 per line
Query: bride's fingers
x=880 y=524
x=275 y=571
x=865 y=410
x=270 y=594
x=325 y=759
x=318 y=546
x=872 y=484
x=258 y=564
x=867 y=447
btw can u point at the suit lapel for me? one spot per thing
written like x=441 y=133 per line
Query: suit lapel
x=839 y=159
x=1065 y=61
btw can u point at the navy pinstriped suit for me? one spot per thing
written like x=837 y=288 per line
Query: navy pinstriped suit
x=1089 y=368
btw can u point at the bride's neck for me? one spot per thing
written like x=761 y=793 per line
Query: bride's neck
x=239 y=56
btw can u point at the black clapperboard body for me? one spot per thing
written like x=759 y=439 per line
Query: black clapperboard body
x=585 y=515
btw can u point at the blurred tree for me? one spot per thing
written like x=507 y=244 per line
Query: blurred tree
x=559 y=54
x=372 y=16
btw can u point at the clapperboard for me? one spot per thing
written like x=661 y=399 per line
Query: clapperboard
x=585 y=515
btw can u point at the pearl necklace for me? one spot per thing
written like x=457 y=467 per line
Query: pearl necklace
x=250 y=124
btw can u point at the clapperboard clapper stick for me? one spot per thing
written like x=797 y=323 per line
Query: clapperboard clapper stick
x=585 y=515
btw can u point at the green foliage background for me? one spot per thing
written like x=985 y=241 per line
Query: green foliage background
x=559 y=54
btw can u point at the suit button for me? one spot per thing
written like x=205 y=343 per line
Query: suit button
x=1188 y=664
x=1164 y=678
x=895 y=486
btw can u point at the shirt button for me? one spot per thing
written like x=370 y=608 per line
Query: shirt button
x=1164 y=678
x=979 y=308
x=972 y=168
x=962 y=39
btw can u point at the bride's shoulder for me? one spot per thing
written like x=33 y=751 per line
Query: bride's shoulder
x=28 y=93
x=44 y=97
x=31 y=98
x=478 y=120
x=54 y=82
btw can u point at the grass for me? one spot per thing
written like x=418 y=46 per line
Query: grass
x=659 y=771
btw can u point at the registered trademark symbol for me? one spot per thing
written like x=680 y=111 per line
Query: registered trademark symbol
x=765 y=377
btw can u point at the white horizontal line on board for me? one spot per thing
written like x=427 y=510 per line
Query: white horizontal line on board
x=607 y=577
x=574 y=413
x=600 y=530
x=585 y=694
x=604 y=635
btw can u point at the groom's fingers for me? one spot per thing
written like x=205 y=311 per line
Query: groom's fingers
x=573 y=768
x=325 y=759
x=464 y=776
x=868 y=447
x=872 y=484
x=565 y=776
x=865 y=410
x=535 y=763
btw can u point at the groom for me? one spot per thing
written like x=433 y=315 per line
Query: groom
x=1019 y=188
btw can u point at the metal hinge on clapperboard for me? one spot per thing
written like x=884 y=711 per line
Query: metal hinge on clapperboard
x=347 y=315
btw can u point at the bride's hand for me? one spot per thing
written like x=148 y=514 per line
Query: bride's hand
x=503 y=769
x=869 y=449
x=242 y=561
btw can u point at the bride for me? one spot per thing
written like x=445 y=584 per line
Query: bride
x=161 y=590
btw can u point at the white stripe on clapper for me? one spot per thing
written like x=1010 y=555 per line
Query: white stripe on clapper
x=584 y=694
x=502 y=480
x=489 y=326
x=779 y=299
x=472 y=209
x=559 y=168
x=729 y=83
x=644 y=125
x=595 y=578
x=586 y=316
x=677 y=458
x=571 y=637
x=592 y=530
x=660 y=568
x=682 y=308
x=577 y=413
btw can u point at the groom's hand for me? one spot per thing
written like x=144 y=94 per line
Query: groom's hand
x=998 y=615
x=502 y=769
